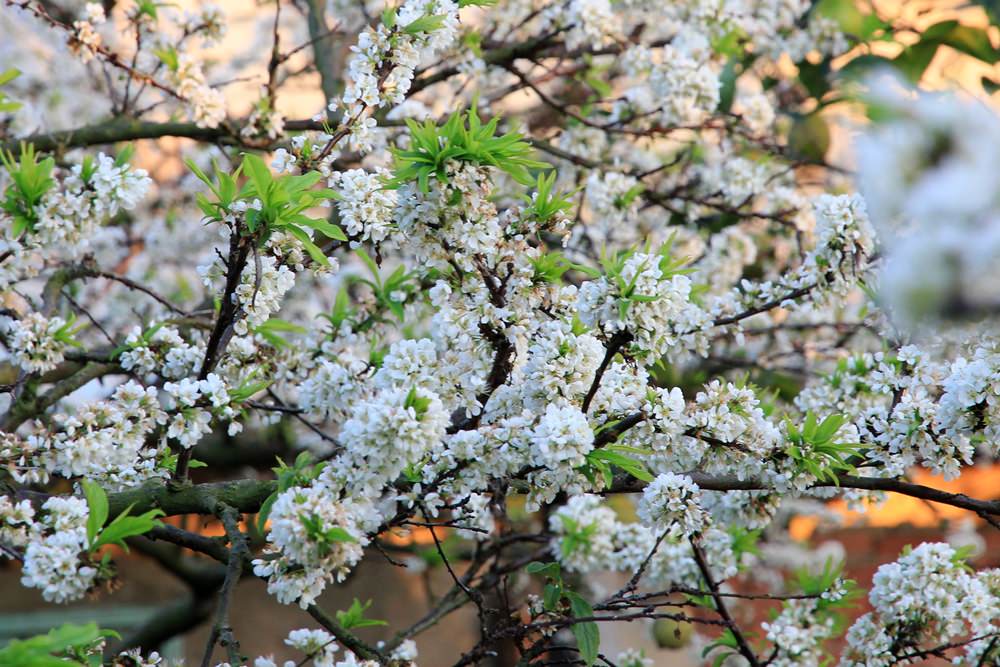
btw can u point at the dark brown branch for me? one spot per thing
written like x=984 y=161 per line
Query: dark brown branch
x=720 y=604
x=221 y=631
x=615 y=345
x=360 y=648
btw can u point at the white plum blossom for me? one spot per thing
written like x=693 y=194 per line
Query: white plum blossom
x=671 y=503
x=205 y=105
x=925 y=598
x=365 y=203
x=52 y=558
x=34 y=341
x=562 y=437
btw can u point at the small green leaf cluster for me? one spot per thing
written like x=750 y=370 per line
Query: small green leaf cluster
x=726 y=643
x=624 y=200
x=121 y=527
x=814 y=450
x=420 y=404
x=302 y=471
x=248 y=388
x=68 y=644
x=283 y=201
x=421 y=25
x=603 y=461
x=148 y=8
x=145 y=339
x=462 y=138
x=30 y=179
x=828 y=580
x=546 y=203
x=613 y=266
x=354 y=617
x=325 y=538
x=550 y=267
x=66 y=334
x=388 y=291
x=342 y=311
x=168 y=461
x=831 y=592
x=556 y=597
x=575 y=537
x=169 y=57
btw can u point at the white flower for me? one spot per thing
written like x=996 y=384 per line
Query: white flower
x=672 y=503
x=366 y=204
x=562 y=437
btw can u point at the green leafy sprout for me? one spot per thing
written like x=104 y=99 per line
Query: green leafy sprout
x=814 y=449
x=120 y=528
x=283 y=199
x=462 y=138
x=354 y=617
x=302 y=471
x=31 y=179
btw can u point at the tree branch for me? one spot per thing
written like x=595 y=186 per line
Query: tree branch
x=720 y=604
x=239 y=550
x=245 y=496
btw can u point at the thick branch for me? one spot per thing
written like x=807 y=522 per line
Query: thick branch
x=127 y=129
x=732 y=483
x=239 y=550
x=245 y=495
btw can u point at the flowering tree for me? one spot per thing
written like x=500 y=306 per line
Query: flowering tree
x=569 y=286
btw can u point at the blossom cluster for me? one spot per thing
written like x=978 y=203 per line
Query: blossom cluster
x=52 y=540
x=925 y=598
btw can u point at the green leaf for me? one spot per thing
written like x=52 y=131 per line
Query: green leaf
x=125 y=526
x=420 y=404
x=632 y=466
x=38 y=651
x=168 y=56
x=727 y=85
x=328 y=229
x=463 y=138
x=551 y=595
x=852 y=20
x=265 y=511
x=370 y=263
x=9 y=75
x=97 y=504
x=588 y=635
x=425 y=24
x=815 y=77
x=30 y=179
x=829 y=428
x=971 y=41
x=258 y=172
x=354 y=617
x=314 y=250
x=551 y=569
